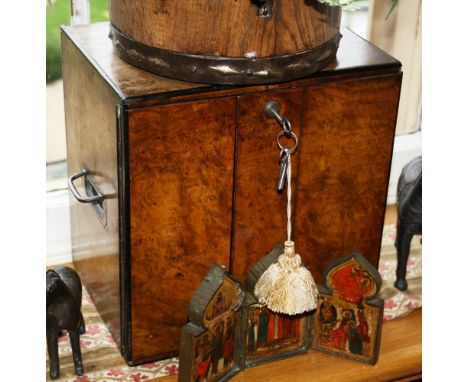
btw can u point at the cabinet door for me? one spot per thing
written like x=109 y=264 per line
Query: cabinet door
x=345 y=157
x=340 y=172
x=260 y=210
x=181 y=161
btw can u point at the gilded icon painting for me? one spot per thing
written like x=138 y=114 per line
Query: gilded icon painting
x=208 y=350
x=348 y=318
x=214 y=350
x=269 y=333
x=271 y=336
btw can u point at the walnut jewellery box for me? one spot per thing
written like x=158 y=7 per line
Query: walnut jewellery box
x=168 y=176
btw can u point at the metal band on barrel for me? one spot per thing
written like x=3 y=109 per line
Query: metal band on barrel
x=223 y=70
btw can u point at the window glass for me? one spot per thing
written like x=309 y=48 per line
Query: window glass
x=58 y=12
x=357 y=20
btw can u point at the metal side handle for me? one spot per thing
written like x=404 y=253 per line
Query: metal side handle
x=97 y=197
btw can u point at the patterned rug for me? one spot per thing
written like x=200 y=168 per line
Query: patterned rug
x=101 y=358
x=398 y=303
x=103 y=362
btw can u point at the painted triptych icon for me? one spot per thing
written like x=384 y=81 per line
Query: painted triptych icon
x=348 y=320
x=229 y=330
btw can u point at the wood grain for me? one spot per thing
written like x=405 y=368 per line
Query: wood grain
x=345 y=157
x=181 y=173
x=340 y=172
x=226 y=28
x=400 y=359
x=260 y=210
x=91 y=144
x=355 y=57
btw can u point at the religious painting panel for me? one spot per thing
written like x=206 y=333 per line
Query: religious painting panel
x=210 y=342
x=270 y=336
x=348 y=319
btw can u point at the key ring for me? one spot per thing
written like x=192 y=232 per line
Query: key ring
x=283 y=153
x=287 y=127
x=289 y=135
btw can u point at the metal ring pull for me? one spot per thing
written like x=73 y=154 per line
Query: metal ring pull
x=292 y=136
x=286 y=125
x=271 y=110
x=84 y=199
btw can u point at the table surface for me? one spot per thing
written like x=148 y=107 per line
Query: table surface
x=400 y=360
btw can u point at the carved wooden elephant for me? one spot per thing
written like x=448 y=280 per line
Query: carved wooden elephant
x=409 y=204
x=63 y=312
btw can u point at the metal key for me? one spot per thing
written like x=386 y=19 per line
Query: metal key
x=284 y=156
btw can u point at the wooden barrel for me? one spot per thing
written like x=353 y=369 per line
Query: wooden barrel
x=226 y=41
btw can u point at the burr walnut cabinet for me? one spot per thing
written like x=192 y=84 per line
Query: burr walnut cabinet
x=167 y=177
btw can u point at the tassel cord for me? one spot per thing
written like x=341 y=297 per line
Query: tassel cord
x=287 y=286
x=288 y=210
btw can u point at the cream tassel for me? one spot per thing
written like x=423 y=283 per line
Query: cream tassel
x=287 y=286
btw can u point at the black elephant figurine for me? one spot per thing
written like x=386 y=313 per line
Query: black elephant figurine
x=409 y=204
x=63 y=312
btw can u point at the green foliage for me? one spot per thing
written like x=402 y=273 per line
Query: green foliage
x=53 y=60
x=59 y=13
x=394 y=4
x=352 y=5
x=99 y=10
x=347 y=5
